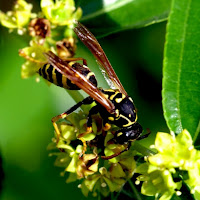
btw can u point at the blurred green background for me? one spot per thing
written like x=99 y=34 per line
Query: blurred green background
x=27 y=107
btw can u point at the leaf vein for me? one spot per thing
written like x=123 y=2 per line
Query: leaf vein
x=181 y=59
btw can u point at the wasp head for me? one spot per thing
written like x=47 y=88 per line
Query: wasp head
x=128 y=134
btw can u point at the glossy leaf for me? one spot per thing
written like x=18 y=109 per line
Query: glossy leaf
x=181 y=73
x=106 y=16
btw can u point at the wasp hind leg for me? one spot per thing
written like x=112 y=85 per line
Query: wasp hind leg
x=76 y=59
x=87 y=100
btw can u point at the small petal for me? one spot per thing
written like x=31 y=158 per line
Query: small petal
x=148 y=189
x=184 y=138
x=91 y=181
x=117 y=171
x=72 y=166
x=61 y=12
x=164 y=142
x=72 y=177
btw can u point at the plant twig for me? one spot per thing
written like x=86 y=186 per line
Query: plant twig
x=137 y=195
x=143 y=150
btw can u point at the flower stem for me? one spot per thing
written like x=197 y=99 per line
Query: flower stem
x=143 y=150
x=99 y=196
x=112 y=196
x=76 y=95
x=137 y=195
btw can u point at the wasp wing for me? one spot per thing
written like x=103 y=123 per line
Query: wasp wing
x=80 y=80
x=93 y=45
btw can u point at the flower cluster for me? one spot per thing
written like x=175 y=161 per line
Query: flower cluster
x=176 y=161
x=18 y=18
x=86 y=165
x=50 y=29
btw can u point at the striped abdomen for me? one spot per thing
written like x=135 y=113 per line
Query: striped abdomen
x=49 y=73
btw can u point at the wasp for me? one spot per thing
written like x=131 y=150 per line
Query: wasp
x=114 y=105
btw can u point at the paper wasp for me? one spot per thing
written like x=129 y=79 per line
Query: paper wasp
x=114 y=105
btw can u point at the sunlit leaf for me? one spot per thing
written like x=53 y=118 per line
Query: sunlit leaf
x=106 y=16
x=181 y=82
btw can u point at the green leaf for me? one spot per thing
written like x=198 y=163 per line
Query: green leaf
x=181 y=73
x=105 y=17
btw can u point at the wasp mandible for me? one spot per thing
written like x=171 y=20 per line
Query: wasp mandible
x=114 y=105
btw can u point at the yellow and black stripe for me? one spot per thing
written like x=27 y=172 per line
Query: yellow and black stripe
x=49 y=73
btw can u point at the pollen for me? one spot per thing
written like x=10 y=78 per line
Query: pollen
x=152 y=146
x=16 y=6
x=62 y=173
x=23 y=67
x=159 y=161
x=190 y=148
x=37 y=80
x=14 y=18
x=137 y=182
x=178 y=193
x=72 y=153
x=20 y=31
x=33 y=54
x=166 y=172
x=9 y=13
x=103 y=185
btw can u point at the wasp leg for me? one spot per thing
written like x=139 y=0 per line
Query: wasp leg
x=84 y=147
x=87 y=100
x=76 y=59
x=106 y=126
x=144 y=136
x=93 y=110
x=117 y=153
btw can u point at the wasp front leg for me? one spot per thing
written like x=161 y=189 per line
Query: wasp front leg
x=106 y=125
x=145 y=136
x=127 y=147
x=94 y=110
x=54 y=120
